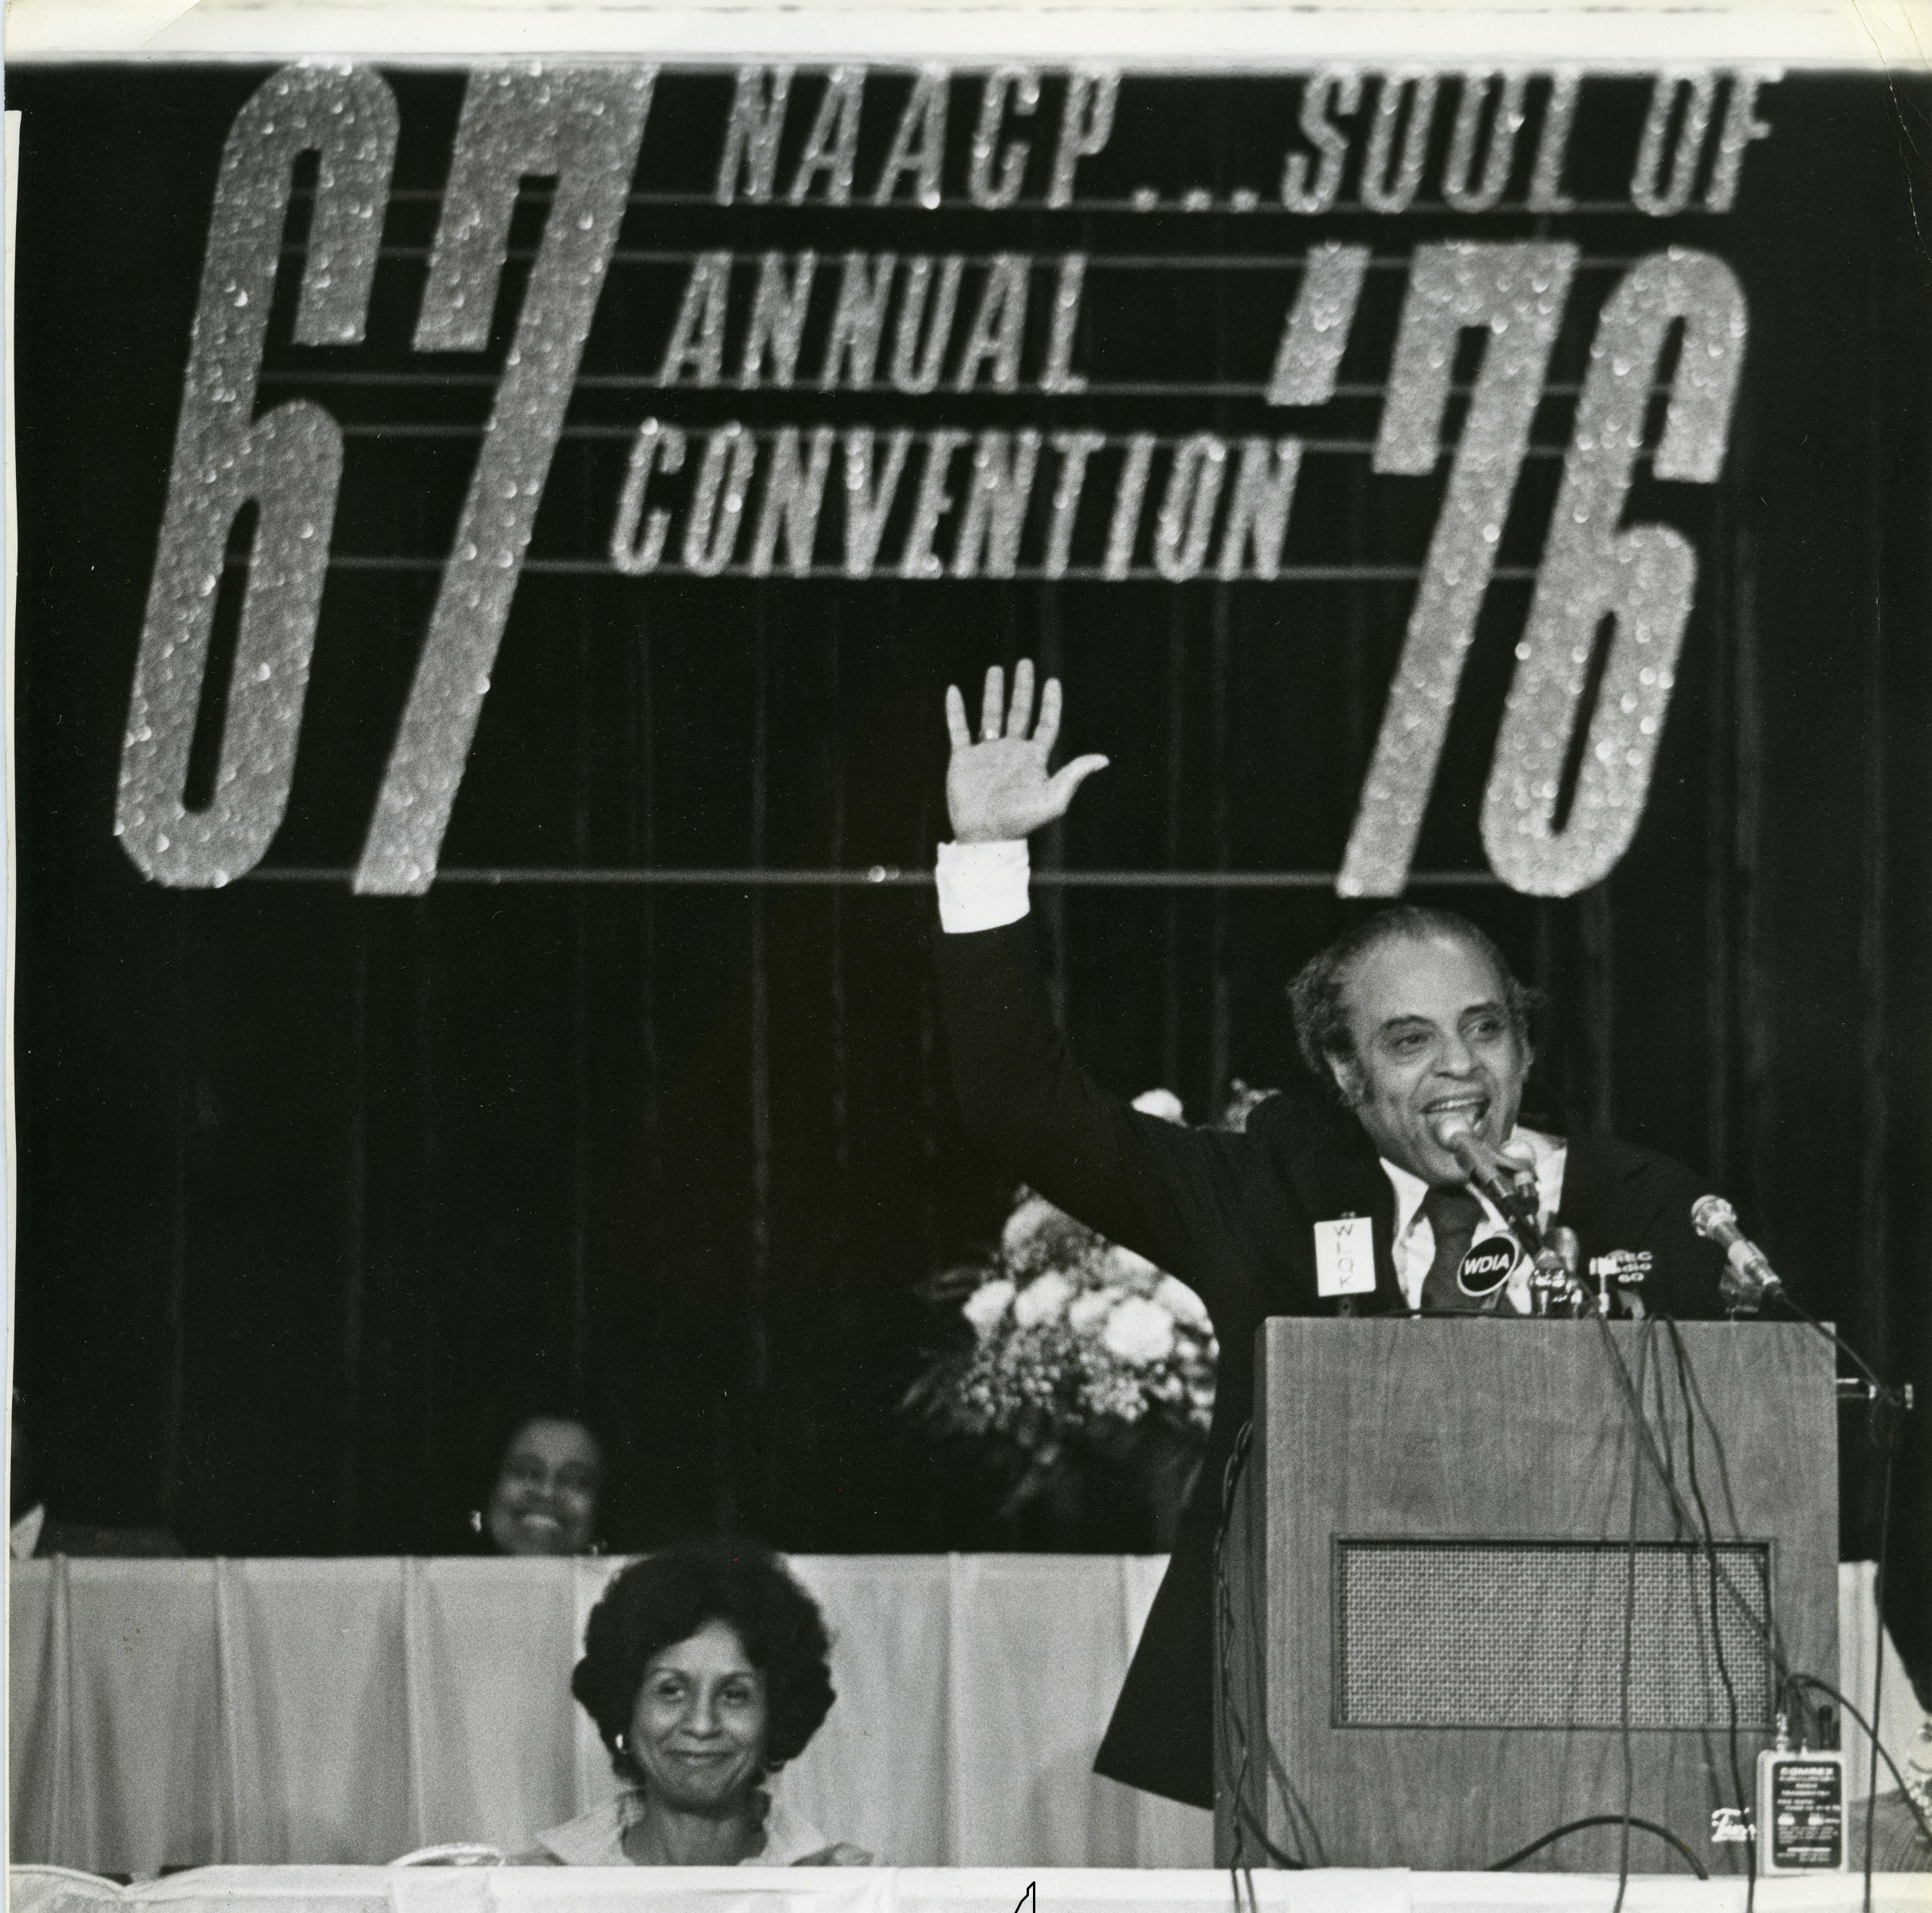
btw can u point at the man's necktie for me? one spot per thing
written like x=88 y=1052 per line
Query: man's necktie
x=1453 y=1215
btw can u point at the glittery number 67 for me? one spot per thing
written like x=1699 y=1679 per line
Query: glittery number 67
x=581 y=126
x=287 y=462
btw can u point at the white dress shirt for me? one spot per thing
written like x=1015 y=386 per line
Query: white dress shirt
x=983 y=886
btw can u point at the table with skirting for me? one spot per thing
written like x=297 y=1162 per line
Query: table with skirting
x=165 y=1714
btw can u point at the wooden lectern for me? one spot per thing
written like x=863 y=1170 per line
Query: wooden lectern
x=1422 y=1590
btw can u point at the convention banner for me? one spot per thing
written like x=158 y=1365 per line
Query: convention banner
x=1033 y=328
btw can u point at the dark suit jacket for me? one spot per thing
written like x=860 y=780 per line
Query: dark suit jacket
x=1232 y=1216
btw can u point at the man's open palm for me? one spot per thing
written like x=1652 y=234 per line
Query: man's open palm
x=998 y=787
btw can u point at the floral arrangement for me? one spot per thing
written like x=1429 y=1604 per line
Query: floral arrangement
x=1082 y=1352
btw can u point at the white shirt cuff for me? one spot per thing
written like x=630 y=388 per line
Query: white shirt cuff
x=982 y=887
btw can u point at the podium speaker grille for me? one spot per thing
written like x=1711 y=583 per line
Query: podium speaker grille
x=1530 y=1634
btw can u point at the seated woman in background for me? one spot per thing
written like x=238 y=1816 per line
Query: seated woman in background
x=543 y=1475
x=705 y=1668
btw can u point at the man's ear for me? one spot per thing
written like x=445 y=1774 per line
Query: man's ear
x=1348 y=1078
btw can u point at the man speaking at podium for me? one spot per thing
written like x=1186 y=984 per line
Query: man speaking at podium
x=1415 y=1019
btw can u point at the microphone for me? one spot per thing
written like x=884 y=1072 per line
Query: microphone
x=1490 y=1175
x=1557 y=1279
x=1510 y=1186
x=1515 y=1160
x=1748 y=1276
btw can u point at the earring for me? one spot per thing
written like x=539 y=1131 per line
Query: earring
x=622 y=1746
x=476 y=1521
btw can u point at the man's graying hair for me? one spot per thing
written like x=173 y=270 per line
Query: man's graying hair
x=1321 y=1022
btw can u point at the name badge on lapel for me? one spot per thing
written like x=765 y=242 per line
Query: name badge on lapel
x=1344 y=1257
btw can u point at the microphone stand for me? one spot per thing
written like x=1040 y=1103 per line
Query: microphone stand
x=1749 y=1285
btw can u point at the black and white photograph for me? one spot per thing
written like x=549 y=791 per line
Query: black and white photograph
x=992 y=946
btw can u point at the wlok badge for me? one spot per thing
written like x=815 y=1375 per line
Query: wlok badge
x=1344 y=1257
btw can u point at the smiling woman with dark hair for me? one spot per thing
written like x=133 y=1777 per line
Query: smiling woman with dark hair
x=539 y=1477
x=706 y=1668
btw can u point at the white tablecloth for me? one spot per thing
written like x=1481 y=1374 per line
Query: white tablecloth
x=179 y=1713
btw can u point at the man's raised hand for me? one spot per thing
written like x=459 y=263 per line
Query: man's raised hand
x=998 y=787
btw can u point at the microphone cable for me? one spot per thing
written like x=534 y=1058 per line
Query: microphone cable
x=1237 y=1758
x=1647 y=1444
x=1881 y=1390
x=1789 y=1678
x=1625 y=1749
x=1886 y=1404
x=1708 y=1534
x=1598 y=1820
x=1767 y=1629
x=1627 y=1818
x=1878 y=1655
